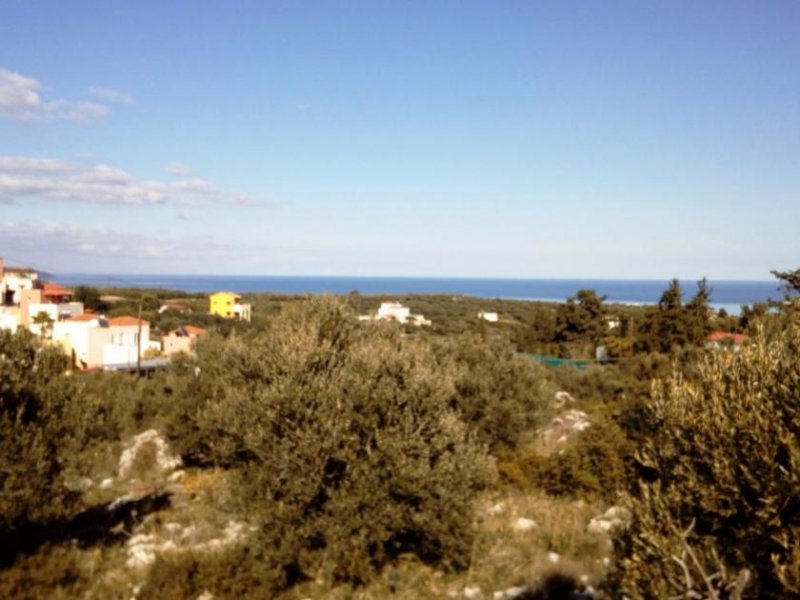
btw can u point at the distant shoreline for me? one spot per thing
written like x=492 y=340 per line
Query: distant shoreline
x=728 y=295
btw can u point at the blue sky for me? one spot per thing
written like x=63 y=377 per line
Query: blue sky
x=503 y=139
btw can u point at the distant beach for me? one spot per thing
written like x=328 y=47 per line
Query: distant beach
x=728 y=295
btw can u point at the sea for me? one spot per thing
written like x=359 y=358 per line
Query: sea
x=727 y=295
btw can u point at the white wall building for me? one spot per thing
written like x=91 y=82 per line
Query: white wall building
x=488 y=316
x=394 y=311
x=95 y=341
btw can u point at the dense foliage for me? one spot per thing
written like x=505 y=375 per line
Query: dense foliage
x=721 y=480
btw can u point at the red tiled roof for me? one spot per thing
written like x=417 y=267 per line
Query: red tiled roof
x=190 y=330
x=721 y=336
x=84 y=317
x=126 y=320
x=53 y=289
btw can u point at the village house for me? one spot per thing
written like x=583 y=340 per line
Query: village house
x=96 y=341
x=181 y=339
x=13 y=281
x=28 y=303
x=722 y=340
x=488 y=316
x=394 y=311
x=228 y=305
x=173 y=306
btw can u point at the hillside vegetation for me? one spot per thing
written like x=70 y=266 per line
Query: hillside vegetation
x=312 y=455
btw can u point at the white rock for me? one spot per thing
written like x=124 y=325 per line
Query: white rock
x=165 y=460
x=497 y=509
x=206 y=595
x=471 y=592
x=599 y=525
x=508 y=594
x=562 y=398
x=606 y=561
x=619 y=513
x=173 y=527
x=106 y=483
x=524 y=524
x=176 y=476
x=553 y=558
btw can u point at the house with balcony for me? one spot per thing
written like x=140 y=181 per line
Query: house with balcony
x=228 y=305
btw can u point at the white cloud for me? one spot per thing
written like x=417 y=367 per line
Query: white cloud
x=25 y=163
x=42 y=243
x=57 y=247
x=21 y=99
x=111 y=95
x=54 y=179
x=178 y=169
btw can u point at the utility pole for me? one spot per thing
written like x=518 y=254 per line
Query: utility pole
x=139 y=343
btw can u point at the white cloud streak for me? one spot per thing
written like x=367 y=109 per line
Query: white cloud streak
x=110 y=95
x=21 y=100
x=44 y=242
x=178 y=169
x=58 y=247
x=50 y=179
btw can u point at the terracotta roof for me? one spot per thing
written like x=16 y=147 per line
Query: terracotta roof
x=53 y=289
x=126 y=320
x=189 y=330
x=720 y=336
x=84 y=317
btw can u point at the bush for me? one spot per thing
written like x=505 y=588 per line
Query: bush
x=498 y=393
x=33 y=401
x=346 y=452
x=592 y=465
x=721 y=481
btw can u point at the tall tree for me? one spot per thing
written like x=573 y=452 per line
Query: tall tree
x=581 y=317
x=698 y=314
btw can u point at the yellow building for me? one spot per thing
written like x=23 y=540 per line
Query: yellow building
x=228 y=305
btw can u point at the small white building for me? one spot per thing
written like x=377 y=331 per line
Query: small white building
x=394 y=311
x=488 y=316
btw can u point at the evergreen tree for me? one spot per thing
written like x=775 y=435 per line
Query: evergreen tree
x=581 y=317
x=698 y=314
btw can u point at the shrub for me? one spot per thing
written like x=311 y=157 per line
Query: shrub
x=345 y=449
x=33 y=401
x=592 y=465
x=721 y=481
x=498 y=393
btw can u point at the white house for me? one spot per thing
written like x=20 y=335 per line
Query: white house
x=94 y=341
x=394 y=311
x=488 y=316
x=13 y=281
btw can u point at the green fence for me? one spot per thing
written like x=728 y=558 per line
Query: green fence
x=554 y=361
